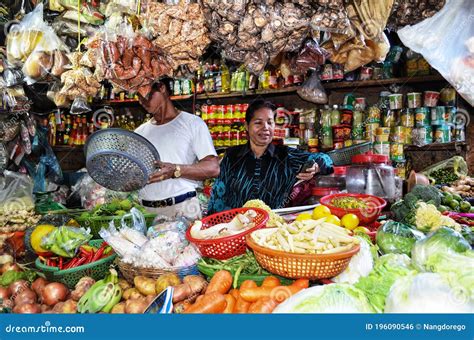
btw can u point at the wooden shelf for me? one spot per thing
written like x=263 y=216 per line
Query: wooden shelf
x=436 y=147
x=382 y=82
x=206 y=96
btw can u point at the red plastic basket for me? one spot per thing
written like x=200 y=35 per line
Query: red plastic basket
x=366 y=216
x=226 y=247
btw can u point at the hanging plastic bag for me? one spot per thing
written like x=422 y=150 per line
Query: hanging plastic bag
x=313 y=91
x=446 y=41
x=138 y=221
x=79 y=106
x=456 y=164
x=17 y=192
x=311 y=56
x=64 y=241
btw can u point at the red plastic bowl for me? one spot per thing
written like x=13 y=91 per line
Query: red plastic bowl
x=226 y=247
x=366 y=216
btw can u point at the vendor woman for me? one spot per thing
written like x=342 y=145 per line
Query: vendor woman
x=260 y=169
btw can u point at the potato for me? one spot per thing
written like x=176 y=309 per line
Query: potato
x=166 y=280
x=119 y=308
x=131 y=294
x=124 y=284
x=135 y=306
x=145 y=285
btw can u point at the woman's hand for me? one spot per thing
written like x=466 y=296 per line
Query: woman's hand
x=309 y=173
x=164 y=171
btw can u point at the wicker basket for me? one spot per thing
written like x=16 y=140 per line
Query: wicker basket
x=343 y=156
x=129 y=271
x=301 y=266
x=97 y=269
x=96 y=223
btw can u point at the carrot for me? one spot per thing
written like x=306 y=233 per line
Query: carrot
x=263 y=305
x=230 y=304
x=241 y=306
x=271 y=281
x=235 y=293
x=253 y=294
x=199 y=298
x=303 y=283
x=248 y=284
x=211 y=303
x=220 y=282
x=281 y=293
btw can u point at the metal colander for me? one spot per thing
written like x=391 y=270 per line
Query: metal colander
x=120 y=160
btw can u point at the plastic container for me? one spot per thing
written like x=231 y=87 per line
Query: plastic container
x=396 y=101
x=226 y=247
x=382 y=148
x=346 y=117
x=422 y=116
x=318 y=193
x=366 y=215
x=407 y=118
x=438 y=115
x=382 y=138
x=430 y=98
x=398 y=134
x=414 y=100
x=383 y=131
x=389 y=118
x=337 y=180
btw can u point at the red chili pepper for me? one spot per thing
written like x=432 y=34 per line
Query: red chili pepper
x=98 y=254
x=80 y=262
x=91 y=256
x=60 y=263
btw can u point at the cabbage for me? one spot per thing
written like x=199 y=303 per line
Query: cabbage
x=457 y=269
x=443 y=240
x=331 y=298
x=426 y=293
x=388 y=268
x=398 y=238
x=360 y=265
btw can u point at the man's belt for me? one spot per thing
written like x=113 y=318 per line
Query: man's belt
x=169 y=201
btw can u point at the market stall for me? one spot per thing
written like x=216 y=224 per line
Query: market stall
x=388 y=230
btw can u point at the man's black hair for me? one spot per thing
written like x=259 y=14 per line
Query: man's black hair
x=257 y=105
x=166 y=82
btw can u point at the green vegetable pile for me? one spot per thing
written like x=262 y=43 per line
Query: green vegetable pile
x=115 y=208
x=454 y=202
x=241 y=267
x=398 y=238
x=444 y=176
x=64 y=241
x=348 y=203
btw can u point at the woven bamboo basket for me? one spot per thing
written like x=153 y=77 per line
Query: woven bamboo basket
x=129 y=271
x=301 y=266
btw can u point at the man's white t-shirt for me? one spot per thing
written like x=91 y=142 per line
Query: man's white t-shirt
x=184 y=140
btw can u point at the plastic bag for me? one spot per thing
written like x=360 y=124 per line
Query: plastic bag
x=79 y=106
x=398 y=238
x=64 y=241
x=310 y=57
x=457 y=164
x=446 y=41
x=123 y=247
x=17 y=192
x=313 y=91
x=330 y=19
x=138 y=220
x=360 y=265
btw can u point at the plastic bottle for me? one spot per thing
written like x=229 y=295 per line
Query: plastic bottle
x=335 y=116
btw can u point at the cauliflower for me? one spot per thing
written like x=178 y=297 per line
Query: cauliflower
x=428 y=218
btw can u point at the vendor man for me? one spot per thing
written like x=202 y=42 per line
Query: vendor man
x=187 y=156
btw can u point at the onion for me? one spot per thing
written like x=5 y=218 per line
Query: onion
x=4 y=293
x=6 y=304
x=10 y=266
x=38 y=285
x=27 y=308
x=45 y=309
x=53 y=293
x=25 y=296
x=17 y=286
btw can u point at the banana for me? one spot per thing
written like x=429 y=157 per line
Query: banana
x=103 y=295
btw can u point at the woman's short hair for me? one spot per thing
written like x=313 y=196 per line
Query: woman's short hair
x=257 y=105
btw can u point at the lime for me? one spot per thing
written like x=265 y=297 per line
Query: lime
x=465 y=207
x=333 y=220
x=447 y=198
x=443 y=208
x=454 y=205
x=321 y=211
x=350 y=221
x=303 y=217
x=362 y=230
x=457 y=197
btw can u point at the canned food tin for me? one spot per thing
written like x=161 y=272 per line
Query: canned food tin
x=400 y=168
x=383 y=131
x=370 y=136
x=366 y=73
x=437 y=115
x=407 y=118
x=373 y=114
x=382 y=148
x=442 y=134
x=362 y=102
x=372 y=127
x=422 y=116
x=313 y=142
x=398 y=134
x=423 y=135
x=414 y=100
x=389 y=119
x=450 y=114
x=396 y=151
x=396 y=101
x=431 y=98
x=448 y=96
x=382 y=138
x=408 y=136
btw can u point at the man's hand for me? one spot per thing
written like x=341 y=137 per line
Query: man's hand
x=164 y=171
x=309 y=173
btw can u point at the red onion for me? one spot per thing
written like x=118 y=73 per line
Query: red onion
x=17 y=286
x=38 y=285
x=53 y=293
x=27 y=308
x=26 y=296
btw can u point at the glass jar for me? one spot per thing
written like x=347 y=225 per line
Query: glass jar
x=336 y=180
